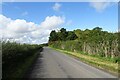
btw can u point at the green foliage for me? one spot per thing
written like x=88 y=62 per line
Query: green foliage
x=44 y=44
x=53 y=36
x=14 y=55
x=92 y=42
x=71 y=36
x=62 y=35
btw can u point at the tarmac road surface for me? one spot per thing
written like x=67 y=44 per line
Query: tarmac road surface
x=54 y=64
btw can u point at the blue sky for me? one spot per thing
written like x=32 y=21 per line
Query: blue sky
x=81 y=15
x=46 y=16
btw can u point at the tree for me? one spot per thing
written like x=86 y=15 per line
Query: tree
x=97 y=28
x=71 y=35
x=95 y=41
x=78 y=33
x=63 y=34
x=53 y=36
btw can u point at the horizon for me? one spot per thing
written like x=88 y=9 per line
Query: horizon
x=32 y=22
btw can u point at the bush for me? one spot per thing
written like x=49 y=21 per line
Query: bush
x=15 y=54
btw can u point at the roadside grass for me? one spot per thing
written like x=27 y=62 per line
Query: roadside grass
x=98 y=62
x=16 y=58
x=22 y=69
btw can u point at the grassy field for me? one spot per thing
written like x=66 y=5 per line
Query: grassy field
x=101 y=63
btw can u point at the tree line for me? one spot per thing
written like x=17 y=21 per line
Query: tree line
x=93 y=42
x=62 y=35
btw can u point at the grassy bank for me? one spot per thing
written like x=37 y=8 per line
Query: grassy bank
x=17 y=58
x=22 y=69
x=102 y=63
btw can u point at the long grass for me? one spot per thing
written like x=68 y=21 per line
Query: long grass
x=16 y=58
x=101 y=63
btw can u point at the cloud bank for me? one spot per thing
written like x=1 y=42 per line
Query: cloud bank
x=100 y=6
x=28 y=32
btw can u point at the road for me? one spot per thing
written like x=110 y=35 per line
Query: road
x=54 y=64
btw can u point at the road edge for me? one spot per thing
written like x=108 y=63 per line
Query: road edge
x=86 y=62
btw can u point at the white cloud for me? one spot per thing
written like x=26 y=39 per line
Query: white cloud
x=52 y=22
x=5 y=21
x=28 y=32
x=56 y=7
x=100 y=6
x=21 y=26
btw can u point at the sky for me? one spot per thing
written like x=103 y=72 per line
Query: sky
x=32 y=22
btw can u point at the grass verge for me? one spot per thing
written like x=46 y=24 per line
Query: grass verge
x=103 y=64
x=19 y=72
